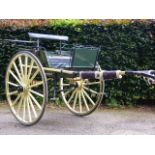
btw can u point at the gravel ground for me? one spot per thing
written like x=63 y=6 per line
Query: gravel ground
x=135 y=121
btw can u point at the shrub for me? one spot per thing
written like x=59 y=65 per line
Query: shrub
x=125 y=45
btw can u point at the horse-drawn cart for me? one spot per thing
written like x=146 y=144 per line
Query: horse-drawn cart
x=74 y=67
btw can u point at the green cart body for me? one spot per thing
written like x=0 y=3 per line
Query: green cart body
x=75 y=58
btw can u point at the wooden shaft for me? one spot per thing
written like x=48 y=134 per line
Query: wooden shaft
x=58 y=70
x=53 y=70
x=143 y=73
x=103 y=74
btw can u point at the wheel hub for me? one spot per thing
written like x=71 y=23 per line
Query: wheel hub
x=20 y=89
x=80 y=85
x=25 y=89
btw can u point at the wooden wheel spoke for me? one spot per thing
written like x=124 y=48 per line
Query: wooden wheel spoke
x=26 y=59
x=17 y=71
x=13 y=92
x=20 y=104
x=15 y=77
x=28 y=109
x=91 y=90
x=36 y=93
x=85 y=102
x=69 y=91
x=80 y=103
x=35 y=101
x=88 y=97
x=71 y=96
x=32 y=107
x=16 y=100
x=13 y=84
x=30 y=69
x=37 y=84
x=21 y=65
x=24 y=109
x=75 y=100
x=34 y=75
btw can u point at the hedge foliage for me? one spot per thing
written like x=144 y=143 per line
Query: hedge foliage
x=125 y=45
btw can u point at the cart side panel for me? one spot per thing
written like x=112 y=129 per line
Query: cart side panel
x=54 y=60
x=41 y=54
x=85 y=58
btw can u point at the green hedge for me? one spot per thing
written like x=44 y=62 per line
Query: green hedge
x=124 y=45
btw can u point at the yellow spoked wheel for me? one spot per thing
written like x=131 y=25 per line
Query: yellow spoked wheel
x=81 y=96
x=26 y=88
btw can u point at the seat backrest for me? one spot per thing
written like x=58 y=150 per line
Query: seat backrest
x=48 y=36
x=85 y=58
